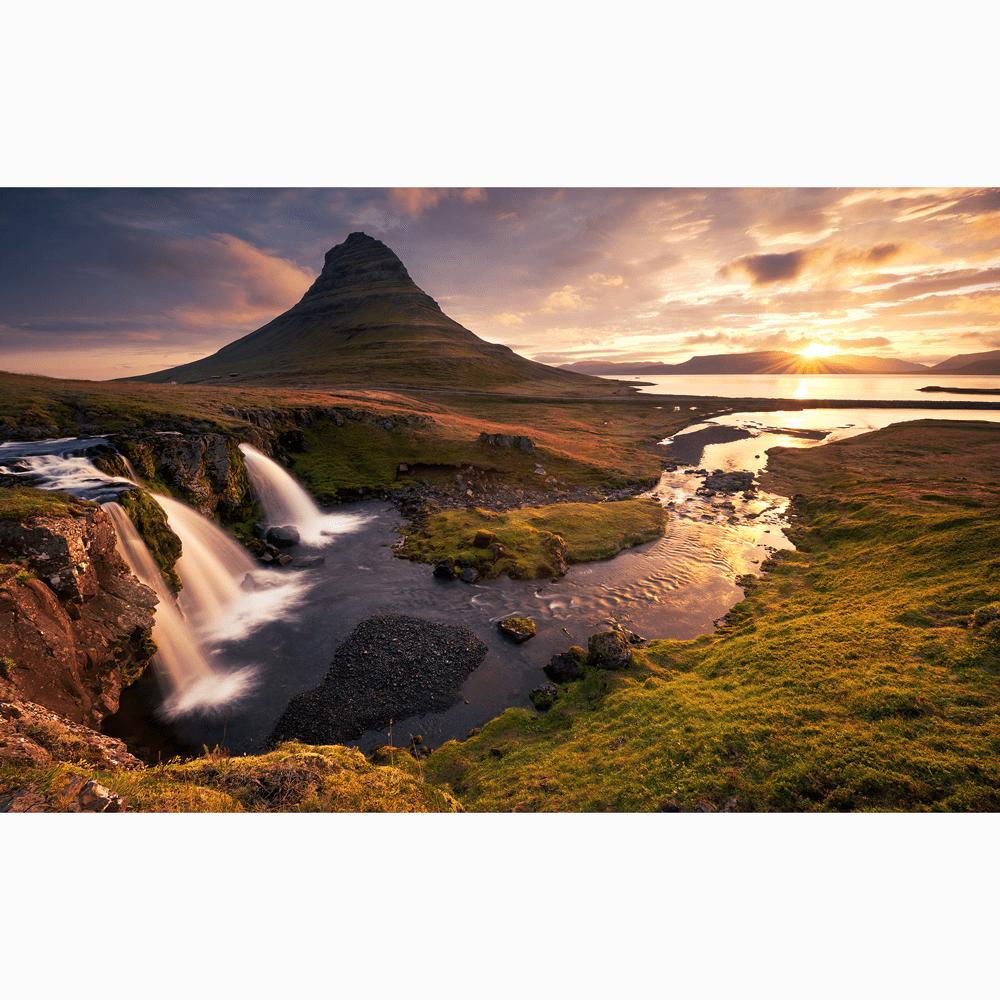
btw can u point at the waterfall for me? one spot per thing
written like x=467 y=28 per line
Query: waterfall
x=190 y=680
x=225 y=595
x=212 y=565
x=284 y=501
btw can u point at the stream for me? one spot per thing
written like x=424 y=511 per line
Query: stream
x=280 y=638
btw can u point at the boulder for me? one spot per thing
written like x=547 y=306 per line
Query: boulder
x=568 y=666
x=544 y=696
x=610 y=650
x=484 y=539
x=282 y=536
x=445 y=569
x=518 y=629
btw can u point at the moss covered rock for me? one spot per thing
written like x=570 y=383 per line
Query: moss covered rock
x=518 y=629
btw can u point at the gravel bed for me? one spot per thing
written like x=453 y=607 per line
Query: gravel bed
x=390 y=667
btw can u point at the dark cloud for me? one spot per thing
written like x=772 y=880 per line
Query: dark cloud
x=768 y=268
x=885 y=251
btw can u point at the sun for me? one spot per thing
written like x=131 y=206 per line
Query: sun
x=817 y=350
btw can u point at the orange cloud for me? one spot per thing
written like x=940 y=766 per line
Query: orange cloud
x=415 y=201
x=565 y=300
x=599 y=279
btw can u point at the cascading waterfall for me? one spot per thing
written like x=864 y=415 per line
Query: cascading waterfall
x=284 y=501
x=224 y=594
x=212 y=566
x=191 y=681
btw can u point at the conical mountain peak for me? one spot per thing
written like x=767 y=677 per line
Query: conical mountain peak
x=363 y=322
x=357 y=269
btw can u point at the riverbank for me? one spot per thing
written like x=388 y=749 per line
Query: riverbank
x=799 y=701
x=861 y=672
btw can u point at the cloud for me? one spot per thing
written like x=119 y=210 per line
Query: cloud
x=509 y=319
x=859 y=343
x=565 y=299
x=599 y=279
x=768 y=268
x=415 y=201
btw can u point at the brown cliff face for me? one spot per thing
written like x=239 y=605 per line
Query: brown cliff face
x=73 y=618
x=363 y=322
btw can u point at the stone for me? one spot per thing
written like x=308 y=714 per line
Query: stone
x=543 y=697
x=610 y=650
x=283 y=536
x=483 y=539
x=518 y=629
x=565 y=667
x=469 y=575
x=284 y=559
x=445 y=569
x=304 y=562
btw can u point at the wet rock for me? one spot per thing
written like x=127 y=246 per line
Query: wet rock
x=284 y=559
x=304 y=562
x=444 y=569
x=544 y=696
x=518 y=629
x=610 y=650
x=568 y=666
x=469 y=575
x=283 y=536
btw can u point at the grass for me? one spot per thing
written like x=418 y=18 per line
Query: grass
x=853 y=676
x=18 y=503
x=150 y=521
x=292 y=778
x=534 y=541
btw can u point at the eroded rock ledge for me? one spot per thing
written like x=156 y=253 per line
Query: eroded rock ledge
x=74 y=622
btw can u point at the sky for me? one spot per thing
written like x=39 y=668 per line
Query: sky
x=105 y=283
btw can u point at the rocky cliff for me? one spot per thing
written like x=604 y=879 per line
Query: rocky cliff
x=74 y=622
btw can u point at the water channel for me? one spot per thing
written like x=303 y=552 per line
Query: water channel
x=273 y=631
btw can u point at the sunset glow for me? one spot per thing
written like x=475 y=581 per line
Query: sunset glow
x=817 y=350
x=106 y=283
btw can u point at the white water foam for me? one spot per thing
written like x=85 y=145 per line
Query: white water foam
x=284 y=501
x=191 y=681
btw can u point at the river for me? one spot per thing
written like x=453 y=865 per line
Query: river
x=859 y=387
x=676 y=587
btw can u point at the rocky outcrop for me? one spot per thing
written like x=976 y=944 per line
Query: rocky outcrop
x=507 y=441
x=204 y=469
x=74 y=622
x=31 y=734
x=610 y=650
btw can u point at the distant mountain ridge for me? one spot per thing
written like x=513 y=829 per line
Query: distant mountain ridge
x=984 y=363
x=364 y=323
x=755 y=363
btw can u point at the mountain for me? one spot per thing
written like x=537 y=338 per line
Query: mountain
x=364 y=323
x=984 y=363
x=878 y=366
x=754 y=363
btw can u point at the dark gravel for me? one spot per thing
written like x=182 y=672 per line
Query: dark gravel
x=390 y=667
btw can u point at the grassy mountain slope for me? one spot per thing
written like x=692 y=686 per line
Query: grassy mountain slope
x=364 y=322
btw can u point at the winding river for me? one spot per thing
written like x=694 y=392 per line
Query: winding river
x=676 y=587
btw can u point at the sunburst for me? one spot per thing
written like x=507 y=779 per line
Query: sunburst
x=818 y=350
